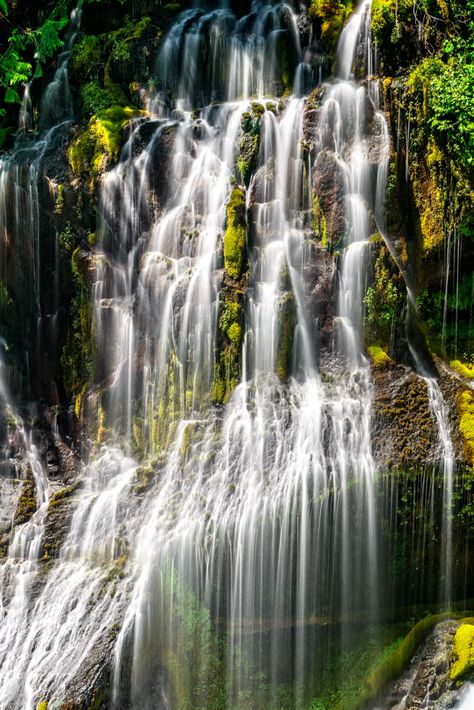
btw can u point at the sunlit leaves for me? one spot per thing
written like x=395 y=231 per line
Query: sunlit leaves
x=24 y=44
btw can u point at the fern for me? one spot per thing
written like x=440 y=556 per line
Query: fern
x=41 y=44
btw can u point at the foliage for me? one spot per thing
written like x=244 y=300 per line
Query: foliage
x=449 y=315
x=331 y=14
x=95 y=99
x=88 y=56
x=451 y=99
x=464 y=651
x=26 y=45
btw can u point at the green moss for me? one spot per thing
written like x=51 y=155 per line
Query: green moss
x=235 y=333
x=133 y=30
x=466 y=422
x=27 y=503
x=95 y=98
x=464 y=369
x=92 y=52
x=80 y=153
x=248 y=153
x=379 y=357
x=101 y=141
x=227 y=369
x=235 y=236
x=463 y=651
x=66 y=492
x=107 y=126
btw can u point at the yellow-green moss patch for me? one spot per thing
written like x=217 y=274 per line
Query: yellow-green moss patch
x=235 y=234
x=463 y=651
x=378 y=356
x=466 y=423
x=465 y=369
x=101 y=141
x=27 y=503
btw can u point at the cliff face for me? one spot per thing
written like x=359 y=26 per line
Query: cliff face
x=73 y=213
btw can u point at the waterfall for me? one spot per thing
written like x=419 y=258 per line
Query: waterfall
x=225 y=529
x=18 y=573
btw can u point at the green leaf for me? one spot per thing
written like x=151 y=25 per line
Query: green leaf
x=11 y=96
x=4 y=7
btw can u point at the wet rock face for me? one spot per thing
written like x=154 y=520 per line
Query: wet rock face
x=403 y=430
x=328 y=183
x=320 y=272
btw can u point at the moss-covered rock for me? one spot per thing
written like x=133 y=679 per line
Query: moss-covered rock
x=27 y=502
x=235 y=237
x=379 y=357
x=227 y=369
x=465 y=369
x=98 y=147
x=466 y=421
x=463 y=651
x=60 y=511
x=248 y=153
x=384 y=298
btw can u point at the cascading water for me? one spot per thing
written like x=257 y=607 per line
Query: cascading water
x=229 y=562
x=20 y=198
